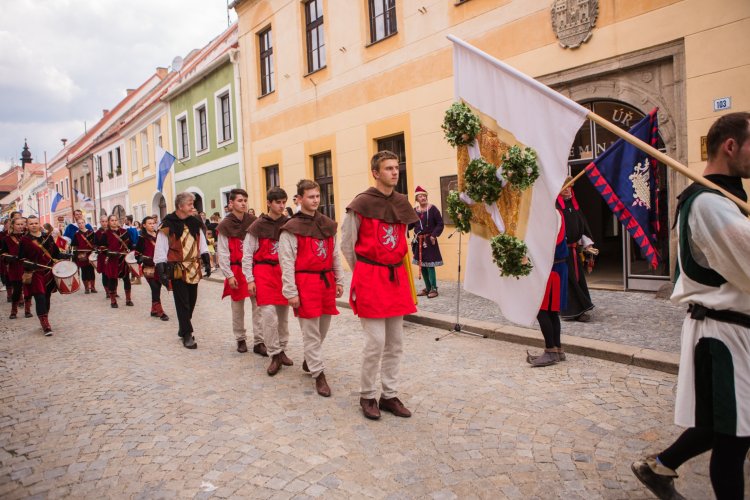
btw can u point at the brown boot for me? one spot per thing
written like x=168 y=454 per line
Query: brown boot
x=304 y=366
x=113 y=300
x=27 y=308
x=395 y=406
x=369 y=408
x=160 y=311
x=285 y=360
x=275 y=365
x=45 y=325
x=322 y=386
x=154 y=313
x=128 y=301
x=261 y=349
x=13 y=310
x=241 y=346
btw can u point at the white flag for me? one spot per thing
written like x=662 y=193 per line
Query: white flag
x=543 y=120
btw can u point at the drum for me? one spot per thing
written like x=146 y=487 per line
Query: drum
x=93 y=256
x=132 y=263
x=66 y=277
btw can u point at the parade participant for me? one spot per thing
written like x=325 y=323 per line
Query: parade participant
x=83 y=245
x=39 y=252
x=578 y=235
x=374 y=244
x=713 y=280
x=554 y=300
x=72 y=228
x=180 y=249
x=10 y=248
x=232 y=235
x=6 y=230
x=260 y=263
x=145 y=248
x=424 y=247
x=131 y=229
x=100 y=242
x=118 y=244
x=311 y=275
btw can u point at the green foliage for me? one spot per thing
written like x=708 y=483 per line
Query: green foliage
x=509 y=253
x=520 y=168
x=481 y=182
x=459 y=212
x=460 y=125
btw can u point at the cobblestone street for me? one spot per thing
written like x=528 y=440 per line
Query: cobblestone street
x=113 y=406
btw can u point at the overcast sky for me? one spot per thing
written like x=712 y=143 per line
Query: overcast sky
x=63 y=61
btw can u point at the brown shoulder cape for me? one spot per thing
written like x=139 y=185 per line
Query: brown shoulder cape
x=391 y=209
x=233 y=227
x=265 y=227
x=317 y=226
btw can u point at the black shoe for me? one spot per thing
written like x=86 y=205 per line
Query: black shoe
x=189 y=342
x=129 y=303
x=28 y=315
x=164 y=317
x=660 y=485
x=114 y=305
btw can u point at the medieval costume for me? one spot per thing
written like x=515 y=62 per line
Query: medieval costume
x=180 y=249
x=100 y=242
x=232 y=235
x=374 y=244
x=311 y=269
x=39 y=253
x=118 y=245
x=3 y=266
x=578 y=235
x=83 y=245
x=424 y=247
x=260 y=263
x=145 y=249
x=14 y=268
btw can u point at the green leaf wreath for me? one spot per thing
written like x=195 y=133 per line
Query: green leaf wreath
x=460 y=125
x=509 y=254
x=459 y=212
x=520 y=168
x=481 y=182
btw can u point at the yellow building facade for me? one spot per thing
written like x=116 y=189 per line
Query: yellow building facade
x=326 y=83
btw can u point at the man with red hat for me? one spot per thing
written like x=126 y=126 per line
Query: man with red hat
x=374 y=244
x=424 y=246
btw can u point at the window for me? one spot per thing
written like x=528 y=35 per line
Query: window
x=83 y=186
x=272 y=176
x=397 y=145
x=323 y=173
x=201 y=133
x=110 y=164
x=182 y=138
x=98 y=165
x=224 y=117
x=133 y=155
x=144 y=148
x=316 y=46
x=382 y=19
x=88 y=184
x=118 y=161
x=75 y=184
x=266 y=62
x=157 y=134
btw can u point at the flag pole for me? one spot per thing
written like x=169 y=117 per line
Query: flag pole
x=573 y=180
x=667 y=160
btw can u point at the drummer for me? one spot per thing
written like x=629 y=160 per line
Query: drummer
x=118 y=245
x=9 y=249
x=83 y=246
x=100 y=242
x=40 y=253
x=145 y=251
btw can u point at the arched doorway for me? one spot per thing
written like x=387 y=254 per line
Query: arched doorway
x=198 y=204
x=119 y=212
x=619 y=262
x=159 y=206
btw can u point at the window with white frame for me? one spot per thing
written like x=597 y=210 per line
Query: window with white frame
x=183 y=139
x=133 y=155
x=110 y=164
x=118 y=161
x=201 y=129
x=144 y=148
x=223 y=116
x=265 y=46
x=157 y=135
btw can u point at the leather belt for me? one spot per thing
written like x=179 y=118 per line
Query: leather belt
x=267 y=262
x=391 y=267
x=323 y=274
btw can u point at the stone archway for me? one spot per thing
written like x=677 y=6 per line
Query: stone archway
x=159 y=206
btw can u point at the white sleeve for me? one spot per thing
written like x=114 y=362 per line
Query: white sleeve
x=222 y=255
x=338 y=270
x=249 y=247
x=162 y=247
x=287 y=259
x=721 y=236
x=203 y=246
x=349 y=235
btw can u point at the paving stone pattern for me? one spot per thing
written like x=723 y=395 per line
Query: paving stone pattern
x=112 y=406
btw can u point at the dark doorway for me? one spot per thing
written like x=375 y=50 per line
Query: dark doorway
x=198 y=203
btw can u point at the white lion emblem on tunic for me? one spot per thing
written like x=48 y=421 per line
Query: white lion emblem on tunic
x=389 y=237
x=320 y=249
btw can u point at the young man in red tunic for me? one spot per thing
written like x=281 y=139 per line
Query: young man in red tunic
x=261 y=264
x=39 y=251
x=11 y=245
x=145 y=249
x=311 y=275
x=374 y=243
x=232 y=234
x=100 y=241
x=83 y=245
x=118 y=245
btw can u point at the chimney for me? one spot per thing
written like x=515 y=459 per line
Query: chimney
x=105 y=112
x=161 y=72
x=129 y=91
x=63 y=140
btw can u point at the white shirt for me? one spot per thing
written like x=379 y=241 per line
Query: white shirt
x=162 y=246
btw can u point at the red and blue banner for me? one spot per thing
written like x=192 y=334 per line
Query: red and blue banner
x=626 y=178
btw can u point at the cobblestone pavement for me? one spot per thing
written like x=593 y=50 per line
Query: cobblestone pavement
x=113 y=406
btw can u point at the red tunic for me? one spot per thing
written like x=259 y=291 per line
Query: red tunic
x=378 y=291
x=100 y=240
x=267 y=273
x=40 y=250
x=3 y=266
x=117 y=241
x=313 y=275
x=83 y=241
x=146 y=247
x=235 y=263
x=14 y=270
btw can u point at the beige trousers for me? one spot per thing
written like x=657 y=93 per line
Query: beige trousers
x=382 y=353
x=238 y=321
x=274 y=327
x=314 y=332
